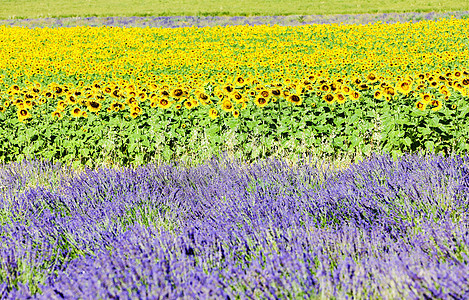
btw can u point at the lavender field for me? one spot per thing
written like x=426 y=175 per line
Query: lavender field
x=381 y=228
x=209 y=21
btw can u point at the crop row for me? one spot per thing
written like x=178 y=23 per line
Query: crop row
x=130 y=95
x=382 y=229
x=128 y=123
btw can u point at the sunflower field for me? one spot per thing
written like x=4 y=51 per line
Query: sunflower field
x=132 y=94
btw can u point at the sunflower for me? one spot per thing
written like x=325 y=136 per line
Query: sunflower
x=420 y=105
x=341 y=98
x=2 y=109
x=355 y=95
x=84 y=114
x=437 y=104
x=378 y=94
x=203 y=98
x=371 y=78
x=220 y=95
x=107 y=90
x=15 y=88
x=228 y=88
x=261 y=101
x=116 y=106
x=71 y=99
x=426 y=98
x=235 y=113
x=57 y=114
x=177 y=93
x=329 y=98
x=295 y=99
x=264 y=94
x=23 y=114
x=324 y=88
x=28 y=104
x=76 y=112
x=465 y=82
x=227 y=105
x=213 y=113
x=132 y=101
x=357 y=80
x=116 y=93
x=134 y=114
x=93 y=106
x=164 y=103
x=142 y=96
x=61 y=105
x=195 y=102
x=188 y=104
x=404 y=87
x=239 y=80
x=136 y=109
x=237 y=97
x=58 y=90
x=345 y=90
x=444 y=90
x=6 y=103
x=276 y=92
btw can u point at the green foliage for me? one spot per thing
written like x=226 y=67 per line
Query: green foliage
x=356 y=127
x=52 y=8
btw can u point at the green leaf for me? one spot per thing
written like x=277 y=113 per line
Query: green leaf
x=430 y=146
x=407 y=141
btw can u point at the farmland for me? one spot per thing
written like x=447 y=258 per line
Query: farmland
x=149 y=158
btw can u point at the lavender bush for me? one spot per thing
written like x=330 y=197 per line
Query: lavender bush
x=203 y=21
x=381 y=228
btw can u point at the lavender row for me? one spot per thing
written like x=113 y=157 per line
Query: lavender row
x=203 y=21
x=380 y=228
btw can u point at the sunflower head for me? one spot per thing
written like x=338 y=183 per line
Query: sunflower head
x=213 y=113
x=329 y=98
x=76 y=112
x=295 y=99
x=235 y=114
x=136 y=109
x=371 y=78
x=228 y=88
x=164 y=103
x=177 y=93
x=341 y=98
x=378 y=94
x=227 y=105
x=261 y=101
x=188 y=104
x=265 y=93
x=426 y=98
x=93 y=106
x=404 y=87
x=420 y=105
x=436 y=105
x=276 y=92
x=355 y=95
x=57 y=114
x=23 y=114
